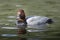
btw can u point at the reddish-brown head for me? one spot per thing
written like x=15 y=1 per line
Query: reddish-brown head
x=21 y=13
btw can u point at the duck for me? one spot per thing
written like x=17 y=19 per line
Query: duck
x=22 y=19
x=34 y=22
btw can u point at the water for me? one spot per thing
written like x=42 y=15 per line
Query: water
x=21 y=38
x=11 y=33
x=11 y=17
x=35 y=33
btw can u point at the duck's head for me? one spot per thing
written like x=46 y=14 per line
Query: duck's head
x=21 y=17
x=21 y=14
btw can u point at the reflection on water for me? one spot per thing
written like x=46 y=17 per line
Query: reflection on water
x=32 y=33
x=34 y=38
x=9 y=35
x=11 y=17
x=22 y=39
x=37 y=28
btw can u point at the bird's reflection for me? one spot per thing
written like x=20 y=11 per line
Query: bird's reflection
x=22 y=39
x=22 y=29
x=30 y=38
x=31 y=28
x=37 y=28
